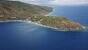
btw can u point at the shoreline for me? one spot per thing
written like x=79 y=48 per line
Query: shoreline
x=12 y=21
x=27 y=21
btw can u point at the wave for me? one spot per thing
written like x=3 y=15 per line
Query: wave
x=39 y=24
x=27 y=21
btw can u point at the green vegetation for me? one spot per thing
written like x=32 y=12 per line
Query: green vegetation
x=15 y=10
x=21 y=10
x=56 y=22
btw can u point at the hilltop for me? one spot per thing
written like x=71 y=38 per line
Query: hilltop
x=57 y=22
x=22 y=10
x=15 y=10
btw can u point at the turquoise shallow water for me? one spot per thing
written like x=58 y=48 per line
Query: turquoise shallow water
x=25 y=36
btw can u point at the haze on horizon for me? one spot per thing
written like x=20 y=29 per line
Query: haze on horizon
x=56 y=2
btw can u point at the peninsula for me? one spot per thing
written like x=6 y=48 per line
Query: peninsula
x=15 y=10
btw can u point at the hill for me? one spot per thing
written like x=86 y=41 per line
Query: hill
x=57 y=22
x=15 y=10
x=21 y=10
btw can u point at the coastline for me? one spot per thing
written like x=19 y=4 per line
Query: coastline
x=39 y=24
x=12 y=21
x=26 y=21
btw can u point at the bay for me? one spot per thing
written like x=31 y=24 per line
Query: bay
x=26 y=36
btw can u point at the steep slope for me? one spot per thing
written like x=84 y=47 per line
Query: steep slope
x=59 y=23
x=15 y=10
x=21 y=10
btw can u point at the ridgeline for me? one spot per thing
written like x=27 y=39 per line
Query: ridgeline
x=16 y=10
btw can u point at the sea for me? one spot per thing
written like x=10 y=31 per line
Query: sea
x=27 y=36
x=76 y=13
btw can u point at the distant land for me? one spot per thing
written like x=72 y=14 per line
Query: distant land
x=15 y=10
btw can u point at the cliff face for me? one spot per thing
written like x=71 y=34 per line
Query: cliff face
x=21 y=10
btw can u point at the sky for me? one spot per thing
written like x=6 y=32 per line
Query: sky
x=56 y=2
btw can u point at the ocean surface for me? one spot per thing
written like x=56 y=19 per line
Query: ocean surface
x=25 y=36
x=75 y=13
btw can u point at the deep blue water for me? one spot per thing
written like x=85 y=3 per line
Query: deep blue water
x=25 y=36
x=75 y=13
